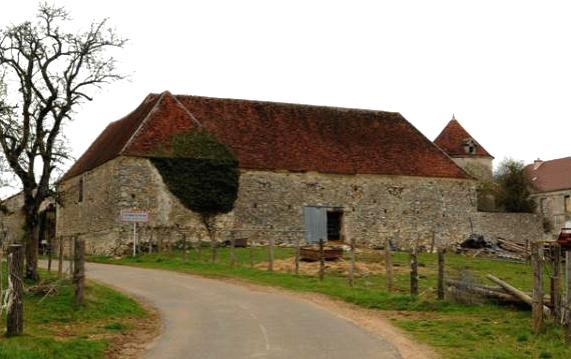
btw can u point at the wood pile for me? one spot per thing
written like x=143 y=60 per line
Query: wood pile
x=513 y=247
x=502 y=293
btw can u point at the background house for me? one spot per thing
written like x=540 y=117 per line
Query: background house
x=552 y=190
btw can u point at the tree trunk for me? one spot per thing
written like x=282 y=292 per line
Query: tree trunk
x=31 y=243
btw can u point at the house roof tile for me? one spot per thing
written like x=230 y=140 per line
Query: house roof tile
x=550 y=176
x=278 y=136
x=452 y=139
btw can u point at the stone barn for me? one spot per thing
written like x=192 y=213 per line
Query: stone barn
x=331 y=172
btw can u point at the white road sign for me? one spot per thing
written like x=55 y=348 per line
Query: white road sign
x=135 y=216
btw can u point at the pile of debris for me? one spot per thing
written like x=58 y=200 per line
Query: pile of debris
x=481 y=245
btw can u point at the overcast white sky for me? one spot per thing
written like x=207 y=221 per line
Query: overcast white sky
x=503 y=67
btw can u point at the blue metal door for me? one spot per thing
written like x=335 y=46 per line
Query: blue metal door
x=315 y=224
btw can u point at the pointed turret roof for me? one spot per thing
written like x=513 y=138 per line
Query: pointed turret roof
x=453 y=139
x=276 y=136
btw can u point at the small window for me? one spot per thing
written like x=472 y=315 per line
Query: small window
x=567 y=203
x=80 y=196
x=470 y=146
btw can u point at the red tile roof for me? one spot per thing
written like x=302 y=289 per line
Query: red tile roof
x=452 y=139
x=278 y=136
x=550 y=176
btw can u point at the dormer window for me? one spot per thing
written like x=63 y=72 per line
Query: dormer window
x=470 y=146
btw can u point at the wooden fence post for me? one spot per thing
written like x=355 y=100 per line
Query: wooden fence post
x=441 y=253
x=214 y=245
x=79 y=270
x=60 y=257
x=568 y=295
x=232 y=249
x=321 y=260
x=251 y=251
x=389 y=266
x=352 y=264
x=50 y=250
x=15 y=312
x=537 y=265
x=413 y=272
x=151 y=240
x=71 y=250
x=271 y=254
x=2 y=268
x=556 y=281
x=184 y=247
x=297 y=254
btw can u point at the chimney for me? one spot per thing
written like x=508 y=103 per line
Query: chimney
x=538 y=162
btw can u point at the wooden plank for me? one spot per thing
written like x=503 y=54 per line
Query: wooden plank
x=516 y=292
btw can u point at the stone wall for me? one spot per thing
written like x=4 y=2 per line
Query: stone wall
x=518 y=227
x=375 y=207
x=125 y=183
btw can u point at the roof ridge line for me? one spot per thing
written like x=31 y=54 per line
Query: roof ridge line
x=136 y=132
x=283 y=103
x=186 y=110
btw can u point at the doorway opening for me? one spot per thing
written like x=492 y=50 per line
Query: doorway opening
x=334 y=225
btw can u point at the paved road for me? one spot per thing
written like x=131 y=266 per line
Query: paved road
x=205 y=318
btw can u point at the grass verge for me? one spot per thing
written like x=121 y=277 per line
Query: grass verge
x=478 y=330
x=55 y=328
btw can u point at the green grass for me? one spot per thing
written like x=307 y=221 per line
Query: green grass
x=483 y=330
x=55 y=328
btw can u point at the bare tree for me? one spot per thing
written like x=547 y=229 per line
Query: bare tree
x=45 y=72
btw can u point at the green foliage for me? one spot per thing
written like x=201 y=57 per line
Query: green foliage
x=201 y=172
x=513 y=187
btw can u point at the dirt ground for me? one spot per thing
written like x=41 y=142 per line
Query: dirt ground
x=340 y=267
x=134 y=343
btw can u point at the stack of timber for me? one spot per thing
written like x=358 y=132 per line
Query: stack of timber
x=513 y=247
x=502 y=293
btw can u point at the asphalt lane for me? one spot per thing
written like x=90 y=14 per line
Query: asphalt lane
x=206 y=318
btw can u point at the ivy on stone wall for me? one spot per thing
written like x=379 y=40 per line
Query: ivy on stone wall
x=201 y=172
